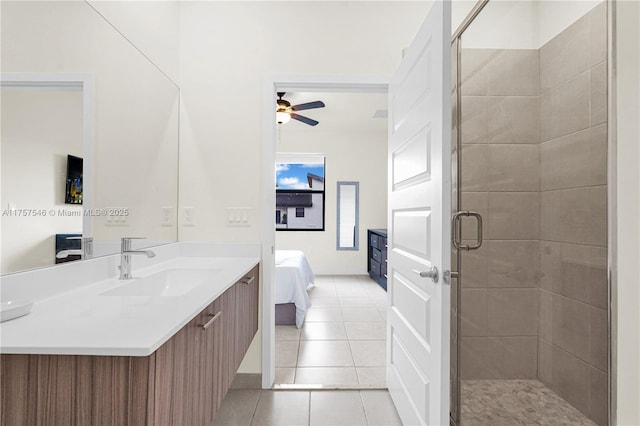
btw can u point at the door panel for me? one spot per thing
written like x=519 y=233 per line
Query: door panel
x=408 y=162
x=412 y=231
x=405 y=367
x=419 y=236
x=414 y=303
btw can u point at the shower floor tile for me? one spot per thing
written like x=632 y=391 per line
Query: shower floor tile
x=515 y=402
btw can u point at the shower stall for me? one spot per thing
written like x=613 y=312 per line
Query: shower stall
x=530 y=309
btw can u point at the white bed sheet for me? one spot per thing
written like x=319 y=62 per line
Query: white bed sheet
x=293 y=277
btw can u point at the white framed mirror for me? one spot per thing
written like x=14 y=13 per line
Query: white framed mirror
x=348 y=216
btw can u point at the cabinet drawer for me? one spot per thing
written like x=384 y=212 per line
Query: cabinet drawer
x=374 y=240
x=382 y=243
x=375 y=268
x=383 y=268
x=376 y=255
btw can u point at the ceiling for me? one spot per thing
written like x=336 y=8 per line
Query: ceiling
x=343 y=111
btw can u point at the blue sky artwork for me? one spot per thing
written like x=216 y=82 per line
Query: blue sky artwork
x=294 y=176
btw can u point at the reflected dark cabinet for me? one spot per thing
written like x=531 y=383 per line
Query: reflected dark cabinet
x=377 y=256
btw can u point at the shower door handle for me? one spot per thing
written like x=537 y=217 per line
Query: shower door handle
x=456 y=230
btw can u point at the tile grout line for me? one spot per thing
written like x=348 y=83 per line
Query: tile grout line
x=255 y=409
x=309 y=409
x=372 y=304
x=366 y=418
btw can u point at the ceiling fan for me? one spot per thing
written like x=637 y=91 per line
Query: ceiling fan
x=286 y=111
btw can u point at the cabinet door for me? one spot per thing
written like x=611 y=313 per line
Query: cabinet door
x=178 y=376
x=246 y=321
x=211 y=362
x=224 y=345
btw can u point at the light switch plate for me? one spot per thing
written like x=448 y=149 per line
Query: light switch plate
x=166 y=216
x=238 y=216
x=117 y=216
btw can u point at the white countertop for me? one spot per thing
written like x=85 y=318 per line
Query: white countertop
x=85 y=322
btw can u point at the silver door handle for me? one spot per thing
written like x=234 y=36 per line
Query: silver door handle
x=431 y=273
x=456 y=230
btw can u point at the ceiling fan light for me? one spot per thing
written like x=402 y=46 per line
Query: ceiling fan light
x=282 y=117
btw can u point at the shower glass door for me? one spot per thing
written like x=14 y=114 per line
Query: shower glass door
x=533 y=298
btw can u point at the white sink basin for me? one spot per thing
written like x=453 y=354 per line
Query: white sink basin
x=14 y=309
x=167 y=283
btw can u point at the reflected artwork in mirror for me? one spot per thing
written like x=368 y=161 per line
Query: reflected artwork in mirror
x=74 y=87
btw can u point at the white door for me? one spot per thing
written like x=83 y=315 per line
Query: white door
x=419 y=225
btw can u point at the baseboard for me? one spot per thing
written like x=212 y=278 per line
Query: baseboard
x=247 y=381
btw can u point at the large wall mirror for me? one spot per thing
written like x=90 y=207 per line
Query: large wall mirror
x=89 y=137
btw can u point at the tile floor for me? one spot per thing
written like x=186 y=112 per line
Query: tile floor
x=342 y=343
x=292 y=408
x=515 y=402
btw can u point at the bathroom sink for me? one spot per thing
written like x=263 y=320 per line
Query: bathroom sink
x=167 y=283
x=14 y=309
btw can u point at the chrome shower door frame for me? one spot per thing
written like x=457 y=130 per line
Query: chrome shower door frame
x=456 y=201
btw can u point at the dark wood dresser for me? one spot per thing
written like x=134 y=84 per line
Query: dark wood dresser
x=377 y=258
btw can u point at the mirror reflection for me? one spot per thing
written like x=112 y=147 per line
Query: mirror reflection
x=41 y=127
x=348 y=194
x=86 y=93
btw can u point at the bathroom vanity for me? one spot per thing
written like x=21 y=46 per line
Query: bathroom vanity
x=130 y=354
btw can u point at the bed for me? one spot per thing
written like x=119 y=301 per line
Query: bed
x=292 y=279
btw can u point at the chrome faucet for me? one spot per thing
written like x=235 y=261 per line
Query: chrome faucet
x=125 y=256
x=85 y=251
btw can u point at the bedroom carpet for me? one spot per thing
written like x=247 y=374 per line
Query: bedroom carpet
x=342 y=343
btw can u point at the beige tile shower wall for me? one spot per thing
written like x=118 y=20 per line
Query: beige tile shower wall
x=501 y=180
x=572 y=347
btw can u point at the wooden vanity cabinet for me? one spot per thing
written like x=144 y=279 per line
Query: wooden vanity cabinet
x=246 y=316
x=182 y=383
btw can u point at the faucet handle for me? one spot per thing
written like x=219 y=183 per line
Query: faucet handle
x=87 y=246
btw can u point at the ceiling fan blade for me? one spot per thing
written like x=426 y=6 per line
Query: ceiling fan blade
x=305 y=120
x=308 y=105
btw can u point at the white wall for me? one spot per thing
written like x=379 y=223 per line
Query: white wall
x=152 y=26
x=226 y=51
x=628 y=207
x=43 y=126
x=504 y=25
x=555 y=16
x=513 y=24
x=459 y=11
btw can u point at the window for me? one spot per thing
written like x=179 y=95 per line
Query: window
x=300 y=192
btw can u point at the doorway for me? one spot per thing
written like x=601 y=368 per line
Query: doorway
x=326 y=283
x=341 y=343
